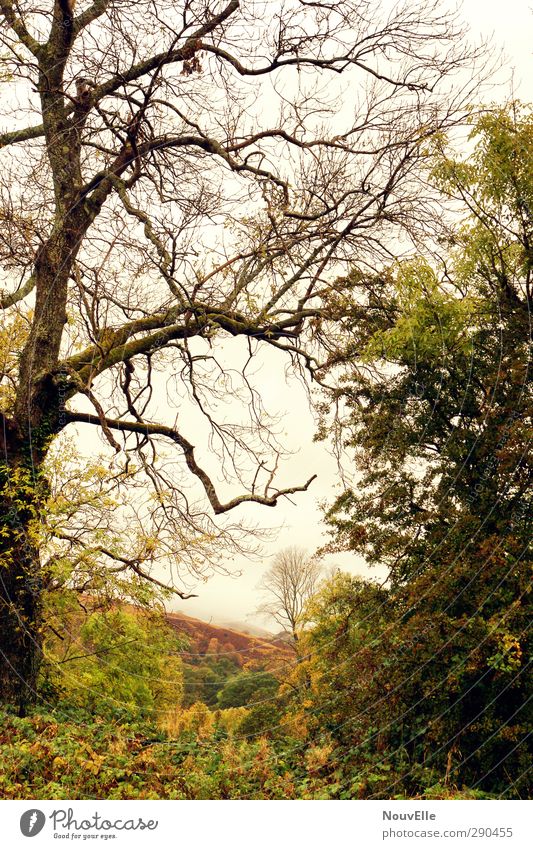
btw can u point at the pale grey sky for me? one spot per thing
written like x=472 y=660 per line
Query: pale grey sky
x=509 y=27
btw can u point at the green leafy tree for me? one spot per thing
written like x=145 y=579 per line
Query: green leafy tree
x=262 y=720
x=247 y=688
x=438 y=405
x=204 y=680
x=438 y=402
x=116 y=663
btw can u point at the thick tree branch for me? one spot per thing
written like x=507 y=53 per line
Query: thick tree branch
x=19 y=28
x=92 y=13
x=115 y=346
x=21 y=135
x=152 y=429
x=105 y=181
x=7 y=299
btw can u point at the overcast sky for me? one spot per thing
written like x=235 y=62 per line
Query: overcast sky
x=509 y=26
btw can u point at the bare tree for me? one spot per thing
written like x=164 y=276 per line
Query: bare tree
x=288 y=585
x=177 y=176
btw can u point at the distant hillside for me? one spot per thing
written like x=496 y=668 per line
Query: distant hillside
x=243 y=649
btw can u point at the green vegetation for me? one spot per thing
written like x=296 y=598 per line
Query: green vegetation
x=115 y=664
x=205 y=679
x=246 y=688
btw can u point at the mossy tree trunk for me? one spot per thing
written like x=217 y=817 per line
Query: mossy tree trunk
x=21 y=622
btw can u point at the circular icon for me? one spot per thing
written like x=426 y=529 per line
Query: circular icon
x=32 y=822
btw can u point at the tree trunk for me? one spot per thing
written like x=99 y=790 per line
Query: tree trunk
x=20 y=585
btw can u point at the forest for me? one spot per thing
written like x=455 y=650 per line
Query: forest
x=199 y=200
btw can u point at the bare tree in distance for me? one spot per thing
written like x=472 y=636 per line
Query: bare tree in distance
x=288 y=585
x=181 y=179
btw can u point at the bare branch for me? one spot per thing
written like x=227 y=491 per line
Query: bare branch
x=151 y=429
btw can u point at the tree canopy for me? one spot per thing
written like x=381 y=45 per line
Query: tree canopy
x=438 y=404
x=438 y=410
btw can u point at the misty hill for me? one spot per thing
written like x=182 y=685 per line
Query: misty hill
x=219 y=640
